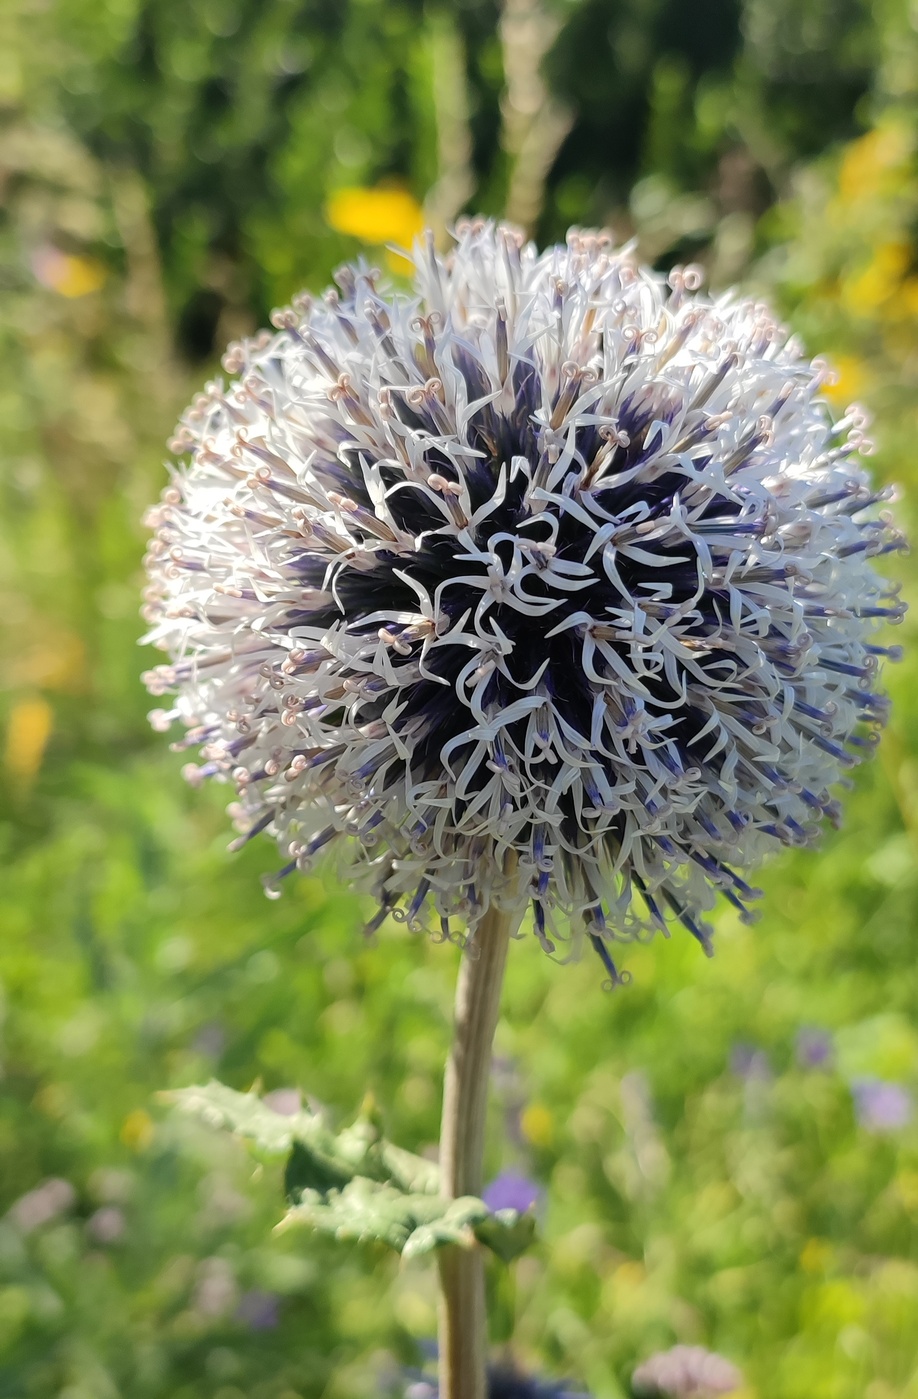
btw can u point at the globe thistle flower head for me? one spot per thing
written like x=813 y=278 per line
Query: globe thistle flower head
x=548 y=580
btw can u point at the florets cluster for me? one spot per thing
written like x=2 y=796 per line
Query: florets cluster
x=547 y=580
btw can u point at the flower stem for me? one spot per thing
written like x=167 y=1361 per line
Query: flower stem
x=463 y=1331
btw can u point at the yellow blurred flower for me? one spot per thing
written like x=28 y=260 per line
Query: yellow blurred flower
x=906 y=1188
x=815 y=1256
x=868 y=162
x=386 y=214
x=851 y=377
x=28 y=730
x=906 y=306
x=537 y=1125
x=137 y=1130
x=57 y=662
x=630 y=1274
x=65 y=273
x=868 y=290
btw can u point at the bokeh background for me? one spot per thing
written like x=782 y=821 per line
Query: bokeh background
x=728 y=1151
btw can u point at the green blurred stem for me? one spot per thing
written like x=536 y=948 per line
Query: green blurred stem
x=463 y=1329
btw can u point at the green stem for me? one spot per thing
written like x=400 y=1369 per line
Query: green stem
x=463 y=1331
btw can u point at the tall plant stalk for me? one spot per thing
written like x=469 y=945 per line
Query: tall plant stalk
x=463 y=1332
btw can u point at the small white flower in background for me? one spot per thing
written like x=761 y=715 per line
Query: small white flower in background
x=45 y=1203
x=107 y=1225
x=550 y=581
x=687 y=1372
x=285 y=1101
x=215 y=1291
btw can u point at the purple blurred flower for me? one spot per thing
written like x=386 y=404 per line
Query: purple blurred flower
x=210 y=1040
x=259 y=1311
x=41 y=1205
x=881 y=1106
x=285 y=1101
x=510 y=1191
x=748 y=1062
x=687 y=1372
x=815 y=1048
x=107 y=1225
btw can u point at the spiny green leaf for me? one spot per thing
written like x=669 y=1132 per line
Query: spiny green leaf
x=356 y=1185
x=506 y=1232
x=308 y=1170
x=456 y=1225
x=368 y=1211
x=319 y=1157
x=246 y=1115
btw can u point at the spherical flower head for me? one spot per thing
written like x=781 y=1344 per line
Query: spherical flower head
x=549 y=580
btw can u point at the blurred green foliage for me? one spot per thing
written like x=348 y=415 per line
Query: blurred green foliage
x=710 y=1175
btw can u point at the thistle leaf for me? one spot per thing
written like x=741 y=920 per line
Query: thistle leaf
x=368 y=1211
x=323 y=1158
x=246 y=1115
x=506 y=1233
x=356 y=1185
